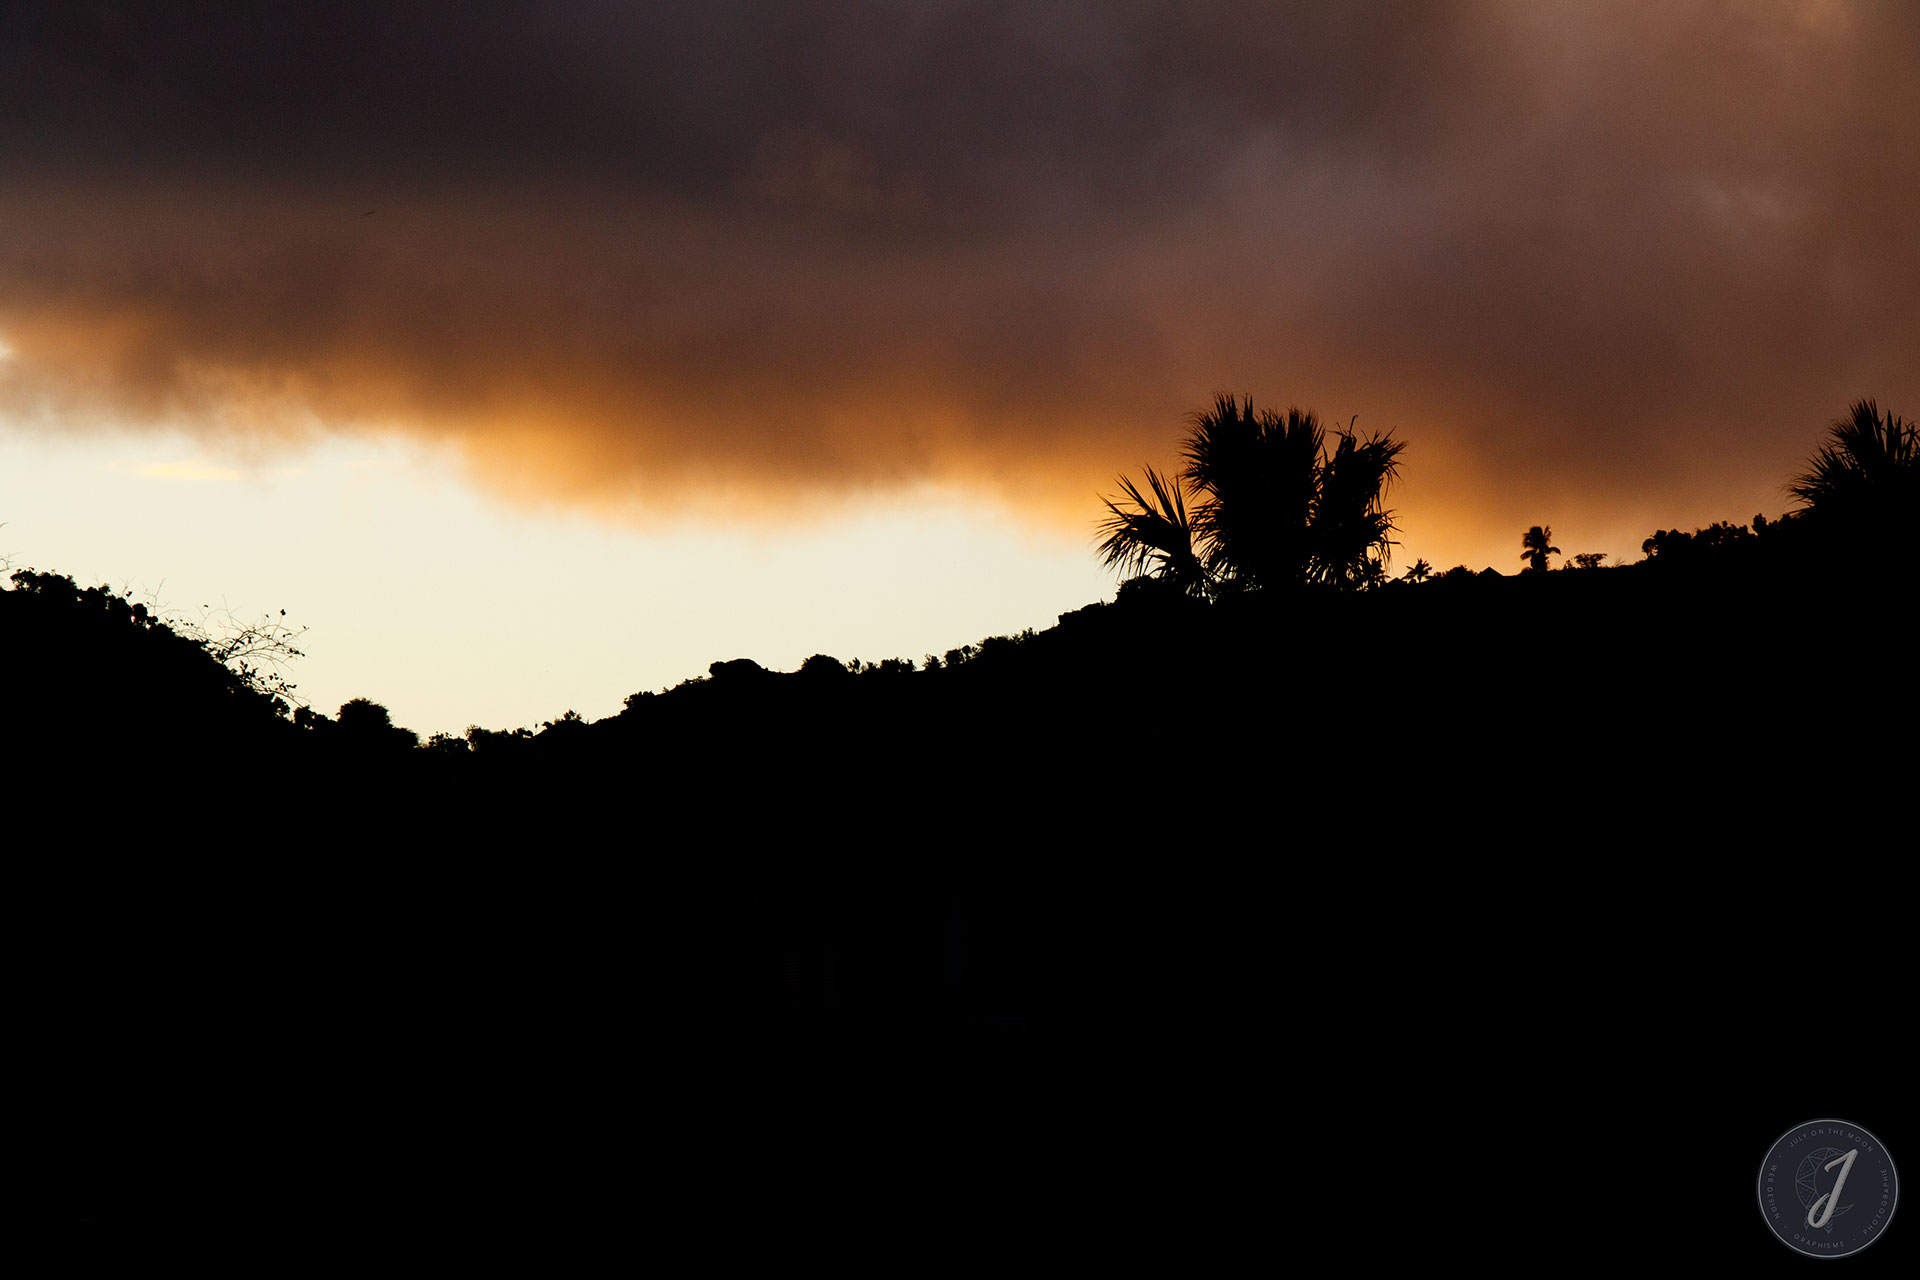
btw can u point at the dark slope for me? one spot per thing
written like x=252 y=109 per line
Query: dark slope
x=1544 y=842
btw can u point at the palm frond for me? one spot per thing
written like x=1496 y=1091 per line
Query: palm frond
x=1350 y=526
x=1869 y=459
x=1152 y=534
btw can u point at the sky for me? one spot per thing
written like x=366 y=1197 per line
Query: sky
x=533 y=355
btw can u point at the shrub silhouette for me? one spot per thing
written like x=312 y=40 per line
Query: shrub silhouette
x=367 y=726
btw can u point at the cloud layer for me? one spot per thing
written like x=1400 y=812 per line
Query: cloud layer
x=1587 y=257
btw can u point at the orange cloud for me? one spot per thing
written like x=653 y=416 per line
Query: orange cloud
x=757 y=262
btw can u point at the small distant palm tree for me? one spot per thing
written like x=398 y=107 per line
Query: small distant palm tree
x=1420 y=572
x=1536 y=546
x=1865 y=481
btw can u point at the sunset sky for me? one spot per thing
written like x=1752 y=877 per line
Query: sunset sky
x=533 y=354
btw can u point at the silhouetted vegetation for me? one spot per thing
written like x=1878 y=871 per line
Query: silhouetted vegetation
x=91 y=664
x=1536 y=546
x=974 y=840
x=1273 y=507
x=1863 y=486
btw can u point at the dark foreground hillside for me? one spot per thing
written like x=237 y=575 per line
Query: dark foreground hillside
x=1484 y=841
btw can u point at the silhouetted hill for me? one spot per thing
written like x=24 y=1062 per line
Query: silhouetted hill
x=1345 y=820
x=92 y=673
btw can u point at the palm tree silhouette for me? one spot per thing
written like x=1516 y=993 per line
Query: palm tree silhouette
x=1272 y=507
x=1536 y=546
x=1865 y=482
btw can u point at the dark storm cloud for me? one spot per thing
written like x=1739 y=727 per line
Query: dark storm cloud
x=954 y=98
x=1599 y=253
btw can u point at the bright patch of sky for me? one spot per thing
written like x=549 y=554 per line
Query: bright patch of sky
x=453 y=610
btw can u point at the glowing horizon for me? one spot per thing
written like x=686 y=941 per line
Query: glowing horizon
x=869 y=296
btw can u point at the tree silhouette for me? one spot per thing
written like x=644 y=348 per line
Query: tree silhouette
x=1536 y=546
x=1272 y=506
x=1863 y=486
